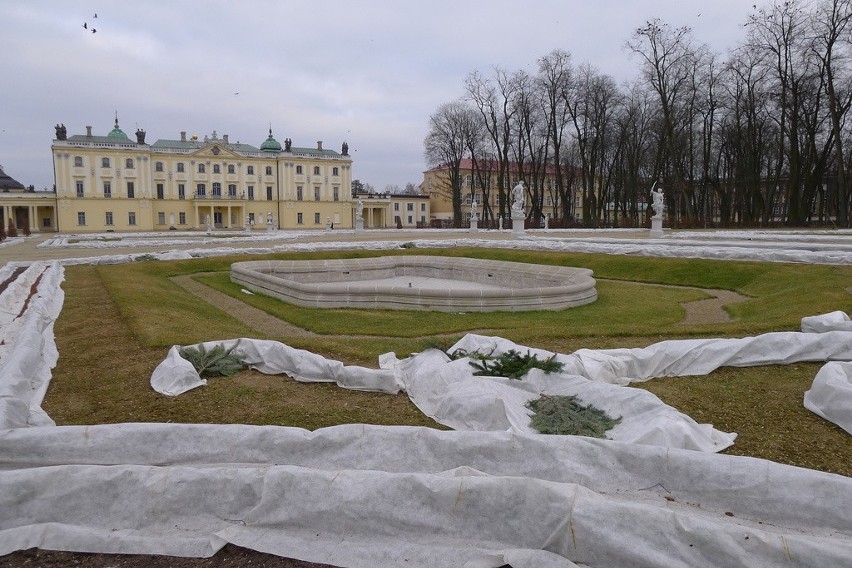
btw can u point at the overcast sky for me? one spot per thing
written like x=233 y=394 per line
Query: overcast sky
x=369 y=72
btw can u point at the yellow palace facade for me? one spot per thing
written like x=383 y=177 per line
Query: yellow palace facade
x=112 y=183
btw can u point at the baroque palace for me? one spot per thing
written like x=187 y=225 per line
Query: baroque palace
x=112 y=183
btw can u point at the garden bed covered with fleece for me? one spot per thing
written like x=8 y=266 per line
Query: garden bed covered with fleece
x=372 y=496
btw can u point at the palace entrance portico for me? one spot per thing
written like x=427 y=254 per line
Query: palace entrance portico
x=220 y=214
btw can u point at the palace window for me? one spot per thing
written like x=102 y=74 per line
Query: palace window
x=299 y=219
x=232 y=190
x=230 y=168
x=410 y=207
x=316 y=218
x=216 y=169
x=201 y=189
x=299 y=195
x=217 y=189
x=201 y=169
x=396 y=206
x=334 y=172
x=269 y=193
x=104 y=162
x=180 y=167
x=269 y=170
x=79 y=189
x=78 y=161
x=298 y=170
x=316 y=170
x=336 y=193
x=108 y=218
x=251 y=192
x=81 y=217
x=128 y=163
x=423 y=207
x=107 y=189
x=131 y=190
x=160 y=191
x=316 y=193
x=158 y=166
x=182 y=218
x=181 y=191
x=250 y=170
x=161 y=218
x=131 y=218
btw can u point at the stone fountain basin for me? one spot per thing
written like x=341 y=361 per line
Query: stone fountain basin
x=440 y=283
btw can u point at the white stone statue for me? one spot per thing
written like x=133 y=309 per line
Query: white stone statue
x=518 y=200
x=657 y=200
x=474 y=206
x=269 y=218
x=359 y=209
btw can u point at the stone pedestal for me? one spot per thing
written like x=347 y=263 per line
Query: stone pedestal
x=269 y=226
x=656 y=227
x=474 y=225
x=359 y=226
x=518 y=225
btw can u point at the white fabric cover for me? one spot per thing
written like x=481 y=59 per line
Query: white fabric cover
x=833 y=321
x=175 y=375
x=830 y=395
x=449 y=392
x=683 y=357
x=28 y=351
x=373 y=496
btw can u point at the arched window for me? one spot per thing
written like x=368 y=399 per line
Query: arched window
x=230 y=168
x=299 y=170
x=158 y=166
x=104 y=162
x=128 y=163
x=201 y=168
x=180 y=166
x=316 y=170
x=78 y=161
x=215 y=168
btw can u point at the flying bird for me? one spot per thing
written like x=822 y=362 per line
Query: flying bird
x=85 y=27
x=96 y=14
x=94 y=30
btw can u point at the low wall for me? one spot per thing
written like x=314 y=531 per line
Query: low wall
x=364 y=283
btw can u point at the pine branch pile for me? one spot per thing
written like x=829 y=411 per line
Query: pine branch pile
x=513 y=365
x=564 y=415
x=217 y=362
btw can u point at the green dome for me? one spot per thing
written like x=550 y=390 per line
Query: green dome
x=270 y=144
x=117 y=132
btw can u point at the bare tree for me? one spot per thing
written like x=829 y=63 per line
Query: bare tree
x=668 y=58
x=494 y=101
x=555 y=76
x=446 y=144
x=831 y=44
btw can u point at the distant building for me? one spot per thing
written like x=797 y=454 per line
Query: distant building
x=387 y=210
x=113 y=183
x=25 y=207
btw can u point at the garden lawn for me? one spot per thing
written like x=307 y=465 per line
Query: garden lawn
x=118 y=322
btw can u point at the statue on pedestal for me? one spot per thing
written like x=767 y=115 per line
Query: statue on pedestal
x=657 y=200
x=518 y=200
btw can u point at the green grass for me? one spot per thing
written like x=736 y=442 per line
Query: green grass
x=128 y=315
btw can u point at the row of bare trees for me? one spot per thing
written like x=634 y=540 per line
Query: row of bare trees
x=762 y=137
